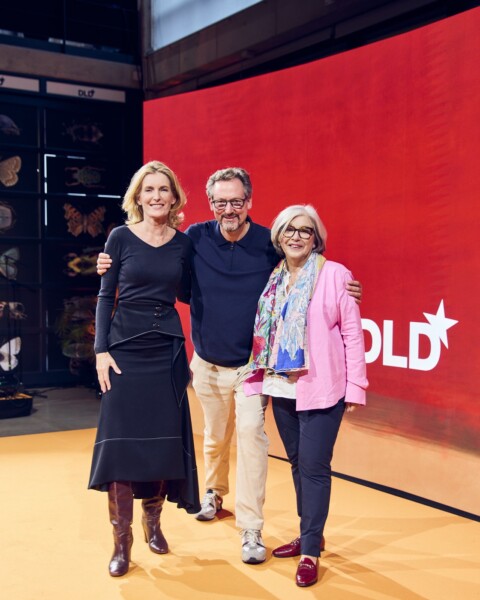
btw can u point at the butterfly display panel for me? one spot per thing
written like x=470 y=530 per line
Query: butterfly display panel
x=19 y=216
x=18 y=125
x=10 y=348
x=94 y=131
x=19 y=354
x=81 y=175
x=72 y=265
x=80 y=368
x=19 y=307
x=19 y=170
x=71 y=322
x=86 y=220
x=19 y=263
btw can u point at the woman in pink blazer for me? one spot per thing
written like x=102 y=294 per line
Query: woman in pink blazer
x=308 y=354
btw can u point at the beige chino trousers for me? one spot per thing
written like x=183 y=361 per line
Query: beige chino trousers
x=220 y=392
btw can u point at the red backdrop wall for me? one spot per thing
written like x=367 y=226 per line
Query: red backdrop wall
x=385 y=142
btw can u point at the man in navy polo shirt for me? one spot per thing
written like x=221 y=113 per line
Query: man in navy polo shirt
x=233 y=259
x=232 y=262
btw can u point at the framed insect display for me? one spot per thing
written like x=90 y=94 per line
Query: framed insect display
x=66 y=309
x=87 y=220
x=80 y=175
x=18 y=125
x=93 y=131
x=65 y=164
x=19 y=307
x=19 y=171
x=72 y=265
x=19 y=263
x=9 y=349
x=73 y=321
x=8 y=217
x=19 y=216
x=30 y=354
x=12 y=310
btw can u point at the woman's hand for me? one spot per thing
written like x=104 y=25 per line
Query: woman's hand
x=349 y=407
x=105 y=362
x=104 y=262
x=354 y=289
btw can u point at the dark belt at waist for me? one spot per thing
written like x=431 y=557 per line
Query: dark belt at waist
x=145 y=303
x=162 y=308
x=156 y=310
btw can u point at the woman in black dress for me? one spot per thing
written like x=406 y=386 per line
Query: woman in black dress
x=144 y=446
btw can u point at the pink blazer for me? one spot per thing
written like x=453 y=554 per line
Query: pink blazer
x=335 y=343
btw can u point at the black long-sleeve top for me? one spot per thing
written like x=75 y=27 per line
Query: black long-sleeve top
x=145 y=276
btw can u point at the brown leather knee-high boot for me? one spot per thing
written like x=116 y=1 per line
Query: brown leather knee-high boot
x=152 y=508
x=120 y=507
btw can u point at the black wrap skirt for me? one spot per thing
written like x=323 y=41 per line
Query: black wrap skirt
x=144 y=432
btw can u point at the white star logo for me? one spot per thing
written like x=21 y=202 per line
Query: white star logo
x=440 y=323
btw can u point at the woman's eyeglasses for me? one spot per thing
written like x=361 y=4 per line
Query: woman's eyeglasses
x=305 y=233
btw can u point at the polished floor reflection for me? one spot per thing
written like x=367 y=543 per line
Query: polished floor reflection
x=55 y=409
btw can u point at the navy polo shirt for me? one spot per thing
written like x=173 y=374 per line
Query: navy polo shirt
x=228 y=278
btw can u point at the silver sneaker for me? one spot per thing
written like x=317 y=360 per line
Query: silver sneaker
x=211 y=504
x=253 y=549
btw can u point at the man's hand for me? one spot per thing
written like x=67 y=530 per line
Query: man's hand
x=105 y=362
x=354 y=288
x=104 y=262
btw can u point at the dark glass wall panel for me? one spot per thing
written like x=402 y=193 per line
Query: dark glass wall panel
x=18 y=125
x=95 y=131
x=87 y=220
x=19 y=216
x=19 y=263
x=19 y=170
x=19 y=307
x=71 y=265
x=81 y=175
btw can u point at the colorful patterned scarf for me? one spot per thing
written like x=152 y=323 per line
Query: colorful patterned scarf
x=279 y=334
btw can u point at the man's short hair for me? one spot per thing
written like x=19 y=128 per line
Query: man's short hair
x=227 y=175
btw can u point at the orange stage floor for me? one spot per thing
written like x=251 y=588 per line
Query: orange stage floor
x=56 y=539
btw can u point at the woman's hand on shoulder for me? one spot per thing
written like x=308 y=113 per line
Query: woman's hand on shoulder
x=105 y=362
x=104 y=262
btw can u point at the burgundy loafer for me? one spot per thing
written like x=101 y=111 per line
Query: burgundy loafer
x=288 y=550
x=307 y=572
x=293 y=549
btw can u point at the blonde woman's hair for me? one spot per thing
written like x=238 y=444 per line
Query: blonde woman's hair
x=287 y=215
x=131 y=206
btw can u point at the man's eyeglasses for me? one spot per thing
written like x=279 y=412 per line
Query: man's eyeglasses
x=305 y=233
x=236 y=203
